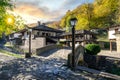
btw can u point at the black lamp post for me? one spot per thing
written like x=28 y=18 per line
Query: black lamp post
x=73 y=22
x=27 y=55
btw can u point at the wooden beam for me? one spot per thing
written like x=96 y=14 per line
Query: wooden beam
x=110 y=45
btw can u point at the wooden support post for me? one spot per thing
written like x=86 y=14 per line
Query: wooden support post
x=110 y=45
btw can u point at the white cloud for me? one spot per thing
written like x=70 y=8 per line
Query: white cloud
x=44 y=9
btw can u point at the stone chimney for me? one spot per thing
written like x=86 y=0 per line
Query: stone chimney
x=39 y=23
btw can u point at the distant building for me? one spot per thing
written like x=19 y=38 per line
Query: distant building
x=114 y=36
x=43 y=35
x=82 y=37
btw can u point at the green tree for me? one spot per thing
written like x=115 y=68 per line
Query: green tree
x=63 y=22
x=85 y=17
x=118 y=13
x=105 y=12
x=9 y=22
x=99 y=14
x=4 y=4
x=83 y=13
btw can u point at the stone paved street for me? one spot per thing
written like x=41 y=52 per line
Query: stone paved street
x=51 y=67
x=5 y=58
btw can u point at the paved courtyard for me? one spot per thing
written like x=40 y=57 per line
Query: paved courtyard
x=109 y=53
x=50 y=66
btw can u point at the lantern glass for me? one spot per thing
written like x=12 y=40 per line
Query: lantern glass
x=73 y=21
x=30 y=30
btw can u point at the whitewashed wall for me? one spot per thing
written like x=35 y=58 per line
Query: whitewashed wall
x=35 y=43
x=111 y=34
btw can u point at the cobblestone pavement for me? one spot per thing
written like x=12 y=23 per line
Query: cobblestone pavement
x=5 y=58
x=45 y=67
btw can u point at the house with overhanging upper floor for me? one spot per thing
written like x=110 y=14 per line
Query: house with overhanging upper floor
x=114 y=36
x=39 y=34
x=42 y=35
x=81 y=37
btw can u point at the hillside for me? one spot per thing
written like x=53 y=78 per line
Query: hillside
x=99 y=14
x=54 y=24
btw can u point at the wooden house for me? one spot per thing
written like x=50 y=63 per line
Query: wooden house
x=82 y=37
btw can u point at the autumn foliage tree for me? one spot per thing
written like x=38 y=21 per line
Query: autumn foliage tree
x=105 y=12
x=99 y=14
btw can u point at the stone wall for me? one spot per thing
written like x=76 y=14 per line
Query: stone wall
x=35 y=44
x=47 y=48
x=103 y=63
x=79 y=51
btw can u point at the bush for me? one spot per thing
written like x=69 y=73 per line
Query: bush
x=92 y=49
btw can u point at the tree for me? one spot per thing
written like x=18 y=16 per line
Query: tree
x=63 y=22
x=118 y=13
x=99 y=14
x=3 y=5
x=9 y=22
x=105 y=12
x=84 y=15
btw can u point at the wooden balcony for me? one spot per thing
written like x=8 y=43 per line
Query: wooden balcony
x=80 y=40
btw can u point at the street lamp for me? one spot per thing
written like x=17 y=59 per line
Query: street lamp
x=27 y=55
x=73 y=22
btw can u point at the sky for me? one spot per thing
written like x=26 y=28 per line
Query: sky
x=44 y=10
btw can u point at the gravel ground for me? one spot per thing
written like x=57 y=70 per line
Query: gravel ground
x=48 y=66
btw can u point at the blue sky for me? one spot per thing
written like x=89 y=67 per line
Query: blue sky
x=45 y=10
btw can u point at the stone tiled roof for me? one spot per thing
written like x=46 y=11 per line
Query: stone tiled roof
x=45 y=28
x=42 y=27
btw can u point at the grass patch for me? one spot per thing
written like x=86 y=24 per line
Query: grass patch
x=8 y=44
x=11 y=54
x=103 y=38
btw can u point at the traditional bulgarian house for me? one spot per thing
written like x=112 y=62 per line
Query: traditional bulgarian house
x=114 y=36
x=82 y=37
x=17 y=38
x=41 y=35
